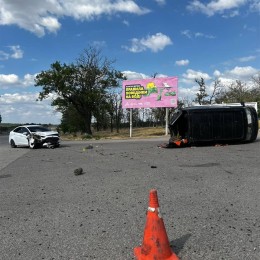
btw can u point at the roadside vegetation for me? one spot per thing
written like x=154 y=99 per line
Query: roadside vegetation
x=140 y=132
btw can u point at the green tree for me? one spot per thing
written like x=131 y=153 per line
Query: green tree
x=159 y=115
x=83 y=85
x=101 y=115
x=237 y=92
x=255 y=92
x=203 y=97
x=256 y=81
x=201 y=94
x=115 y=110
x=71 y=121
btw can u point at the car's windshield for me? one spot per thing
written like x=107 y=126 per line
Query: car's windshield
x=38 y=129
x=177 y=113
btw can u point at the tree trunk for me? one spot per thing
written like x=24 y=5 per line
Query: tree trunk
x=88 y=117
x=111 y=123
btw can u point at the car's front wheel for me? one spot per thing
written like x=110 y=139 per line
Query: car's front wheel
x=32 y=143
x=12 y=143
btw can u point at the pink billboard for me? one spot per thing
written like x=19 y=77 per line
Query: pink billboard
x=149 y=93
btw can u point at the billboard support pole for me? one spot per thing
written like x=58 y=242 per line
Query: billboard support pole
x=131 y=122
x=166 y=120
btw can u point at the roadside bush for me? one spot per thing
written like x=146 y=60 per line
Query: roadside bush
x=86 y=137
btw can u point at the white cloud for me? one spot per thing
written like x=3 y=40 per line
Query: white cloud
x=231 y=14
x=242 y=72
x=190 y=34
x=99 y=44
x=23 y=108
x=160 y=76
x=255 y=6
x=187 y=93
x=225 y=81
x=182 y=62
x=249 y=28
x=28 y=80
x=216 y=6
x=203 y=35
x=246 y=59
x=16 y=53
x=191 y=75
x=13 y=81
x=187 y=33
x=155 y=43
x=51 y=23
x=160 y=2
x=8 y=79
x=4 y=55
x=132 y=75
x=125 y=22
x=217 y=73
x=40 y=17
x=18 y=98
x=237 y=73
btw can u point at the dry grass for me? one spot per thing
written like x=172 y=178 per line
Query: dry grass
x=142 y=132
x=124 y=133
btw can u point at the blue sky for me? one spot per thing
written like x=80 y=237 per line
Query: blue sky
x=188 y=39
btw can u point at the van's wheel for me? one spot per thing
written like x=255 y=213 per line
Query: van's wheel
x=12 y=143
x=32 y=143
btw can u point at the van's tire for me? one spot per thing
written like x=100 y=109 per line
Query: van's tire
x=12 y=143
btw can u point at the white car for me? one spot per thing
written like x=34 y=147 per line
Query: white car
x=34 y=136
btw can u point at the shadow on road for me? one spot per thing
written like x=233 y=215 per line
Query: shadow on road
x=178 y=244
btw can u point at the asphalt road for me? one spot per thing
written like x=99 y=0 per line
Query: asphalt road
x=209 y=198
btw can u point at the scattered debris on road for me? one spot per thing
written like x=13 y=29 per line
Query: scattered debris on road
x=78 y=171
x=88 y=147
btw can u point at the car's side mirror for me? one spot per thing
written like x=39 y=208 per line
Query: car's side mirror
x=25 y=133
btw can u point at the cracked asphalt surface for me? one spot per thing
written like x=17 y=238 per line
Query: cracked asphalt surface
x=209 y=198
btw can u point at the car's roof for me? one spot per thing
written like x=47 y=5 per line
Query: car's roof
x=30 y=125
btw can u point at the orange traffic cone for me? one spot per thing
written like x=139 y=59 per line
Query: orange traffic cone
x=155 y=242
